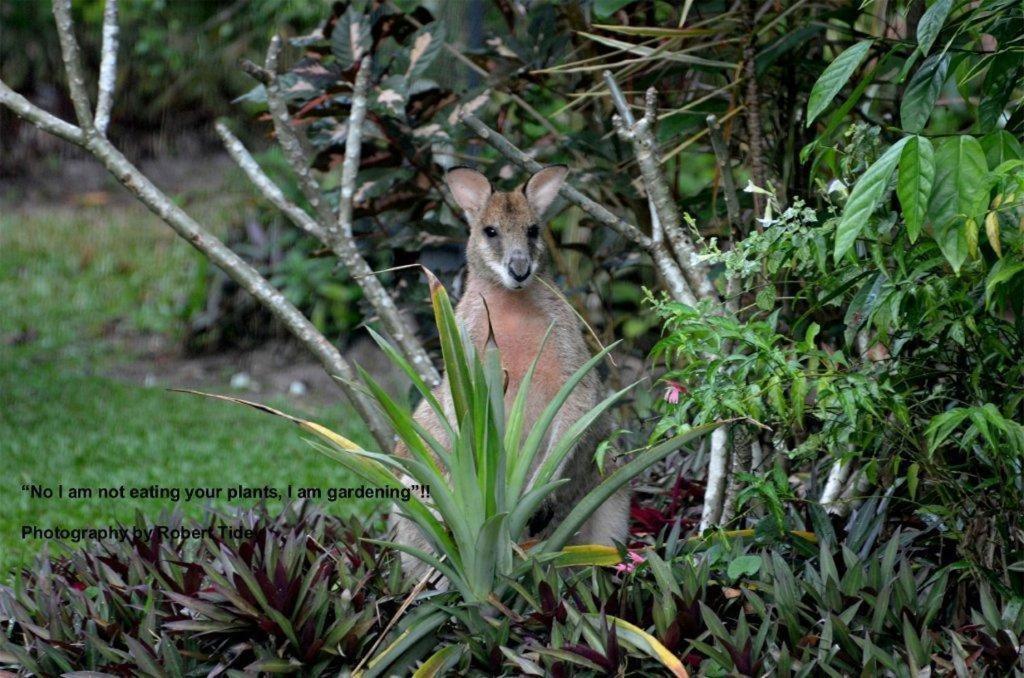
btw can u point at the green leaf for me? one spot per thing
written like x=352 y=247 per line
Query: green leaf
x=952 y=241
x=613 y=483
x=1001 y=146
x=960 y=188
x=914 y=187
x=748 y=565
x=765 y=299
x=865 y=198
x=942 y=425
x=439 y=663
x=426 y=45
x=427 y=623
x=1002 y=76
x=922 y=92
x=992 y=233
x=1004 y=270
x=834 y=77
x=931 y=23
x=646 y=643
x=581 y=555
x=605 y=8
x=350 y=40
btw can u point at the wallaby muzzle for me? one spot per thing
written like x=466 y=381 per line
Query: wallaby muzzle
x=519 y=265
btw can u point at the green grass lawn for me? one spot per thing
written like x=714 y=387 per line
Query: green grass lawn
x=66 y=277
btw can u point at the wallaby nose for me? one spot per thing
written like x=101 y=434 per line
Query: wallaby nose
x=519 y=266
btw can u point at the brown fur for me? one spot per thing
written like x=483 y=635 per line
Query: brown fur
x=520 y=311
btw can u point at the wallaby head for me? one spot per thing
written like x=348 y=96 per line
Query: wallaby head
x=505 y=247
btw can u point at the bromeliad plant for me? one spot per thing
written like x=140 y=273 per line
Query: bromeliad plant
x=485 y=485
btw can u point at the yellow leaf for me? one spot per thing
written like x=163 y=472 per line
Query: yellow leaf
x=435 y=665
x=648 y=644
x=311 y=426
x=992 y=231
x=588 y=554
x=971 y=234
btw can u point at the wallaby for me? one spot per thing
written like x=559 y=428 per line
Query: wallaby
x=505 y=257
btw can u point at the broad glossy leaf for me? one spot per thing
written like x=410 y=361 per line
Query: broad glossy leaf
x=931 y=23
x=1001 y=146
x=960 y=188
x=834 y=77
x=922 y=92
x=914 y=187
x=1002 y=76
x=865 y=198
x=952 y=239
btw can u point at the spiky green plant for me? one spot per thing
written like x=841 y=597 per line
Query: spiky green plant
x=484 y=485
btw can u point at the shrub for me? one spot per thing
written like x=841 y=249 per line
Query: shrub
x=258 y=593
x=304 y=592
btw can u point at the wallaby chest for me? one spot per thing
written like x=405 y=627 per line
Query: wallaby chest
x=519 y=322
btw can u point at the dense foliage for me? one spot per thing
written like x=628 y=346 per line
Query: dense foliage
x=300 y=593
x=884 y=327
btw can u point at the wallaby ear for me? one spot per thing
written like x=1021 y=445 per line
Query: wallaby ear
x=543 y=186
x=470 y=189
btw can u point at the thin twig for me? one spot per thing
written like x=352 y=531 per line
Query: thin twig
x=721 y=149
x=73 y=64
x=265 y=185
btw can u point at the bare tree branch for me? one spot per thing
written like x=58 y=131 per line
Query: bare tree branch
x=752 y=106
x=73 y=64
x=290 y=142
x=741 y=454
x=732 y=203
x=838 y=476
x=108 y=68
x=353 y=148
x=266 y=186
x=663 y=261
x=640 y=133
x=714 y=492
x=334 y=232
x=47 y=122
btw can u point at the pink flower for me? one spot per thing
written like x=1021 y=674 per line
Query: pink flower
x=634 y=560
x=672 y=392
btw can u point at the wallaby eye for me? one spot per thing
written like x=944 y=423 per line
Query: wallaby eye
x=533 y=231
x=490 y=231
